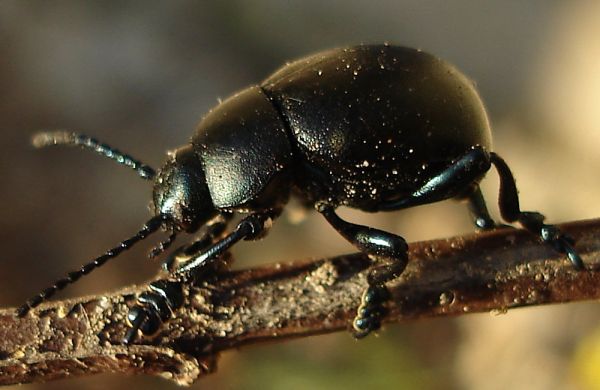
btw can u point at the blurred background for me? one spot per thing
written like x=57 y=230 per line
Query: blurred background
x=140 y=75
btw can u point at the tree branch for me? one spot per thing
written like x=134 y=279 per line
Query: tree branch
x=491 y=271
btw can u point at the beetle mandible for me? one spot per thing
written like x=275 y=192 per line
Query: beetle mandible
x=376 y=128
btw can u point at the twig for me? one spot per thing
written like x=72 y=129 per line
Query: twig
x=491 y=271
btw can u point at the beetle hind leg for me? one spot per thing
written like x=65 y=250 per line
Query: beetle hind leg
x=391 y=253
x=532 y=221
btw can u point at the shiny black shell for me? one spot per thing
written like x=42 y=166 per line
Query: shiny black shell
x=245 y=152
x=361 y=126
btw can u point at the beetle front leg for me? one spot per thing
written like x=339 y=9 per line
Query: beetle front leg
x=390 y=250
x=208 y=236
x=251 y=227
x=532 y=221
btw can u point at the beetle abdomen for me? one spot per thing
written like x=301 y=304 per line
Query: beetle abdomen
x=375 y=121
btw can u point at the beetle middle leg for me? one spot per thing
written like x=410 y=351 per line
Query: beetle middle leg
x=388 y=248
x=392 y=249
x=478 y=209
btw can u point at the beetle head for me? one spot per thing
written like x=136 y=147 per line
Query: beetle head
x=181 y=195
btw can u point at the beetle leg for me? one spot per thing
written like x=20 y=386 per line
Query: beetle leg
x=448 y=183
x=251 y=227
x=386 y=247
x=479 y=210
x=532 y=221
x=208 y=236
x=464 y=172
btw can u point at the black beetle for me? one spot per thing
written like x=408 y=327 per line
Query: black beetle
x=376 y=128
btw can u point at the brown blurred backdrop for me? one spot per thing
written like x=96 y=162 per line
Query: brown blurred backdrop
x=140 y=74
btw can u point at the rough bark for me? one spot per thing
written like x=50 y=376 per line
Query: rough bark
x=492 y=271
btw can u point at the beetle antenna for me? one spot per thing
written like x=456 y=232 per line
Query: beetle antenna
x=61 y=137
x=149 y=227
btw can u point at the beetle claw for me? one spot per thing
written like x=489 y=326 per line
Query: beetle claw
x=371 y=310
x=564 y=244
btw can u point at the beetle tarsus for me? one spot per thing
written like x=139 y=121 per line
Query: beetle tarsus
x=153 y=308
x=531 y=220
x=370 y=311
